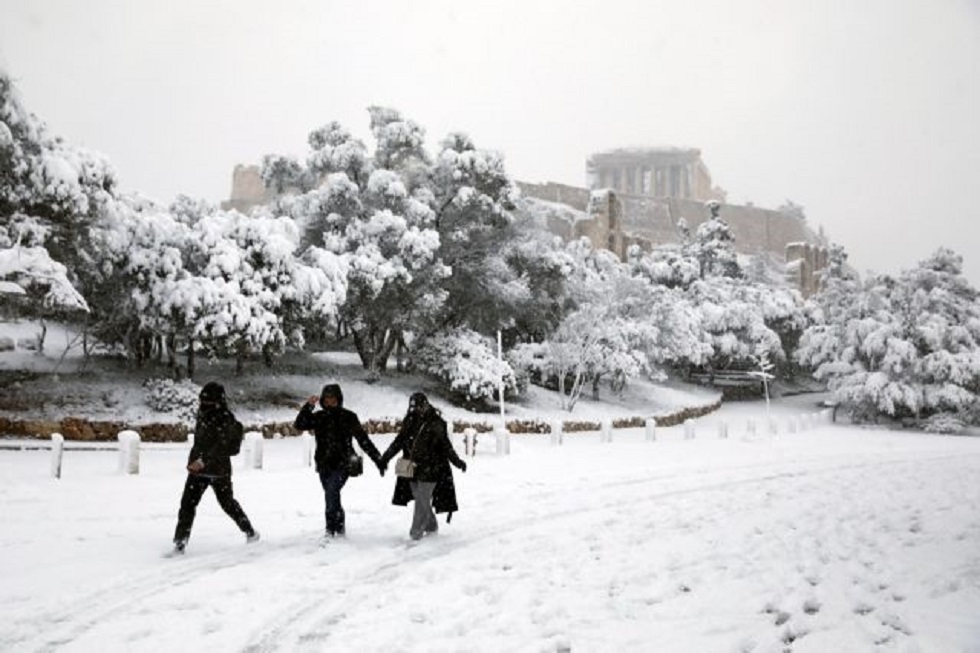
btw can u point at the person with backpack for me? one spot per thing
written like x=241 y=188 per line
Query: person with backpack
x=217 y=437
x=334 y=428
x=423 y=472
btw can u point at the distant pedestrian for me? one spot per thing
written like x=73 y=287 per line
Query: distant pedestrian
x=424 y=440
x=217 y=436
x=335 y=428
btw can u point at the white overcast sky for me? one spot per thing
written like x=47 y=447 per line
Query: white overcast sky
x=866 y=112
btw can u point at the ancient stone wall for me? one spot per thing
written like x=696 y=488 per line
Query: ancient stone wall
x=247 y=189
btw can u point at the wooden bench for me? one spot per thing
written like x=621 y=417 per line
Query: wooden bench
x=734 y=379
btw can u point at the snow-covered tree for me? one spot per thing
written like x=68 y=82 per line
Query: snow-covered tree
x=474 y=202
x=713 y=246
x=27 y=270
x=54 y=193
x=906 y=347
x=200 y=278
x=424 y=237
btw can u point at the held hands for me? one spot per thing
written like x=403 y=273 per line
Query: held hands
x=195 y=466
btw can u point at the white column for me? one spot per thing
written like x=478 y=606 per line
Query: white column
x=503 y=440
x=57 y=452
x=469 y=440
x=307 y=441
x=651 y=430
x=129 y=452
x=605 y=433
x=689 y=430
x=557 y=432
x=723 y=430
x=254 y=442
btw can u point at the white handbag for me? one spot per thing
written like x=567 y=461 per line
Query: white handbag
x=405 y=468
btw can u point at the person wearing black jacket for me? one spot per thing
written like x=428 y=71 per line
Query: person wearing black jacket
x=209 y=465
x=334 y=427
x=423 y=438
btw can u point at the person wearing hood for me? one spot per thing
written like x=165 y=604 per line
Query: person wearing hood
x=216 y=434
x=423 y=439
x=334 y=428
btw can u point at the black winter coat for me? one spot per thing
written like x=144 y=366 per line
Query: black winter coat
x=335 y=429
x=214 y=431
x=425 y=441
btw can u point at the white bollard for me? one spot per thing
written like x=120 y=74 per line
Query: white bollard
x=651 y=430
x=722 y=430
x=605 y=431
x=307 y=441
x=503 y=440
x=254 y=442
x=791 y=425
x=689 y=430
x=557 y=432
x=773 y=427
x=129 y=452
x=750 y=427
x=469 y=441
x=57 y=452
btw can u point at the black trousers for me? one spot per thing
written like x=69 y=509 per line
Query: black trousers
x=194 y=489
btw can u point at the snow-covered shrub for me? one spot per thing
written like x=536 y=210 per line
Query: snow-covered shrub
x=168 y=396
x=944 y=423
x=467 y=363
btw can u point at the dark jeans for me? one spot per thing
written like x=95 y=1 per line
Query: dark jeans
x=333 y=481
x=194 y=489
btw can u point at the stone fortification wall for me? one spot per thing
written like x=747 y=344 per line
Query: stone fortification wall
x=577 y=198
x=654 y=219
x=755 y=229
x=247 y=189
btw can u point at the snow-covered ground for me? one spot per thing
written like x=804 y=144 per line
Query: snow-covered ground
x=832 y=538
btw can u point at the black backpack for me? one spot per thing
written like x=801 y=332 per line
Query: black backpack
x=236 y=434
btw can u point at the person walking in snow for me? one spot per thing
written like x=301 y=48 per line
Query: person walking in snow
x=334 y=428
x=423 y=439
x=217 y=436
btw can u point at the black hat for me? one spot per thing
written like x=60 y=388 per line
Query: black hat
x=332 y=390
x=418 y=401
x=213 y=393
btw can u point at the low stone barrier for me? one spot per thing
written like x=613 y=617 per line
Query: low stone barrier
x=83 y=430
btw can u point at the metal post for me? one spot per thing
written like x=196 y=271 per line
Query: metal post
x=500 y=384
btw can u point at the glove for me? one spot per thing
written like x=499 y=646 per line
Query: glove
x=382 y=467
x=195 y=466
x=462 y=466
